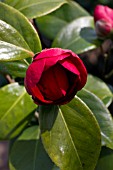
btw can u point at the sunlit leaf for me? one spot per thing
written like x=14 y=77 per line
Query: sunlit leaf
x=36 y=8
x=102 y=115
x=12 y=44
x=71 y=138
x=16 y=109
x=21 y=24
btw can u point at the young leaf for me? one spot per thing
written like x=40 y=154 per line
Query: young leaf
x=18 y=21
x=100 y=89
x=73 y=139
x=36 y=8
x=102 y=115
x=16 y=108
x=78 y=36
x=27 y=152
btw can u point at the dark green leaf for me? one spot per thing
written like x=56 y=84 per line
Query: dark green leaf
x=55 y=168
x=21 y=24
x=102 y=115
x=100 y=89
x=73 y=142
x=36 y=8
x=70 y=11
x=27 y=152
x=78 y=36
x=59 y=18
x=16 y=108
x=16 y=69
x=53 y=25
x=3 y=80
x=105 y=161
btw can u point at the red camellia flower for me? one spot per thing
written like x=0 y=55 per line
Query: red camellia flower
x=103 y=17
x=55 y=76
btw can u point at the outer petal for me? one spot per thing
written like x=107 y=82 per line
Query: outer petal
x=52 y=52
x=75 y=65
x=33 y=74
x=36 y=94
x=69 y=65
x=52 y=56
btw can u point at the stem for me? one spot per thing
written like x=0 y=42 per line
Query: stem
x=26 y=62
x=10 y=80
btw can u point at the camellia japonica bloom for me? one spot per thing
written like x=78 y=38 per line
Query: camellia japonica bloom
x=55 y=76
x=103 y=17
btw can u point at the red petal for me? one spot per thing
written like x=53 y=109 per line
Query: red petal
x=68 y=64
x=38 y=95
x=52 y=56
x=76 y=66
x=33 y=74
x=52 y=52
x=54 y=83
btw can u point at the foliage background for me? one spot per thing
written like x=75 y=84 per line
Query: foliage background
x=95 y=65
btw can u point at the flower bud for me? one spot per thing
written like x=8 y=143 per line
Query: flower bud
x=103 y=28
x=55 y=76
x=103 y=17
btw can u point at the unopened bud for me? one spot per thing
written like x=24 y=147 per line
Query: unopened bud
x=103 y=28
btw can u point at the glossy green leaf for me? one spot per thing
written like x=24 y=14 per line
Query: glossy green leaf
x=21 y=24
x=70 y=11
x=59 y=18
x=105 y=161
x=78 y=36
x=9 y=52
x=55 y=168
x=14 y=68
x=53 y=25
x=16 y=109
x=72 y=136
x=12 y=44
x=100 y=89
x=12 y=36
x=36 y=8
x=102 y=115
x=27 y=153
